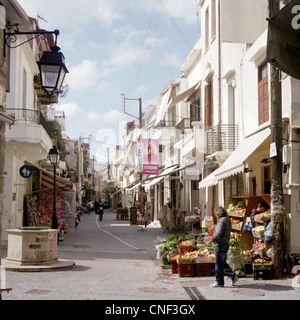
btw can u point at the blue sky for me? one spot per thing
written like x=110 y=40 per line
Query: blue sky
x=113 y=47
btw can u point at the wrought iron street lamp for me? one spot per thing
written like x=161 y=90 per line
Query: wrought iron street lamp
x=51 y=65
x=54 y=159
x=52 y=70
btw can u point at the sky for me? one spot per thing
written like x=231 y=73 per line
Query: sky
x=115 y=47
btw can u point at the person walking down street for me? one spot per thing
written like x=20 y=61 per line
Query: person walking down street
x=96 y=206
x=221 y=238
x=89 y=207
x=101 y=210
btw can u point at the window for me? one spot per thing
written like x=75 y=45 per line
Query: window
x=207 y=28
x=195 y=108
x=263 y=94
x=233 y=187
x=208 y=118
x=213 y=19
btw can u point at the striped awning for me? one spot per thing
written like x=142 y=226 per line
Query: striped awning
x=47 y=182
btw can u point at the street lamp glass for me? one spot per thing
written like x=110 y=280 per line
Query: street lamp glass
x=54 y=155
x=52 y=70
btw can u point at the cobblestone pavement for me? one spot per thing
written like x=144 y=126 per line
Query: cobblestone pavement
x=115 y=261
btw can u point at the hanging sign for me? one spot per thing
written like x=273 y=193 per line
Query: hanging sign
x=148 y=156
x=25 y=171
x=273 y=150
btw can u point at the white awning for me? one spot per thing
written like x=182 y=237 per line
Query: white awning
x=163 y=106
x=159 y=177
x=234 y=164
x=186 y=94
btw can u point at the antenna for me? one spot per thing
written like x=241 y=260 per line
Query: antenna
x=41 y=18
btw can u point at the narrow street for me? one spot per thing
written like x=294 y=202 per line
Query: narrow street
x=113 y=261
x=116 y=261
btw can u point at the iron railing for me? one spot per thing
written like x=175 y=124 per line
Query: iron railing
x=185 y=123
x=165 y=124
x=29 y=116
x=222 y=137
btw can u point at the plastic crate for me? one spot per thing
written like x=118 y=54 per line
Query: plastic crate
x=184 y=249
x=262 y=266
x=174 y=267
x=202 y=269
x=186 y=270
x=262 y=274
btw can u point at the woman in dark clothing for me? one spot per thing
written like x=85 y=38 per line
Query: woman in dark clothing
x=261 y=207
x=101 y=210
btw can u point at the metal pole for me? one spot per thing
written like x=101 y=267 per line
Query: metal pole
x=54 y=217
x=277 y=208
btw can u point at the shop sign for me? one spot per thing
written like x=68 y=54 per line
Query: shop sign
x=191 y=174
x=25 y=171
x=148 y=156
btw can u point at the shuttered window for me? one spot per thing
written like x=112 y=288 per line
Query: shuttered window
x=263 y=94
x=209 y=104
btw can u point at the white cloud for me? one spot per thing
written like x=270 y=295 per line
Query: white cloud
x=141 y=89
x=78 y=13
x=86 y=76
x=171 y=59
x=113 y=116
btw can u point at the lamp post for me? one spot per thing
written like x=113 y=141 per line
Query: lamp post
x=52 y=63
x=54 y=159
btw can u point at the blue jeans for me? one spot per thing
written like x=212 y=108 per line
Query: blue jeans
x=222 y=266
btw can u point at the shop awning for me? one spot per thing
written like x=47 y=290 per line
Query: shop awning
x=157 y=178
x=163 y=106
x=47 y=181
x=186 y=94
x=133 y=187
x=234 y=164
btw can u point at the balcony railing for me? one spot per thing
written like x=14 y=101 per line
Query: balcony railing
x=29 y=116
x=223 y=137
x=185 y=123
x=165 y=124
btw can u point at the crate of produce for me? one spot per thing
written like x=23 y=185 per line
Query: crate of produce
x=262 y=271
x=185 y=259
x=172 y=257
x=186 y=270
x=202 y=269
x=262 y=266
x=184 y=249
x=174 y=267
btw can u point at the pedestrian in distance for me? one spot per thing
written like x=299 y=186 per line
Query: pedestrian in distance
x=96 y=206
x=101 y=210
x=221 y=238
x=89 y=207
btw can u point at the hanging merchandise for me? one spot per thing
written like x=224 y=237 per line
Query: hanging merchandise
x=248 y=225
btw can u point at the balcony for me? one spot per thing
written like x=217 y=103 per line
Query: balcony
x=165 y=124
x=222 y=137
x=30 y=133
x=184 y=126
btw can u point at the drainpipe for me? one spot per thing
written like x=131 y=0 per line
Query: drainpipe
x=220 y=74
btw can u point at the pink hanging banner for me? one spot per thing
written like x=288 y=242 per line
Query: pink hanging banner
x=148 y=156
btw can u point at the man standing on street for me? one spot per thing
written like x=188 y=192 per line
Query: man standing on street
x=221 y=238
